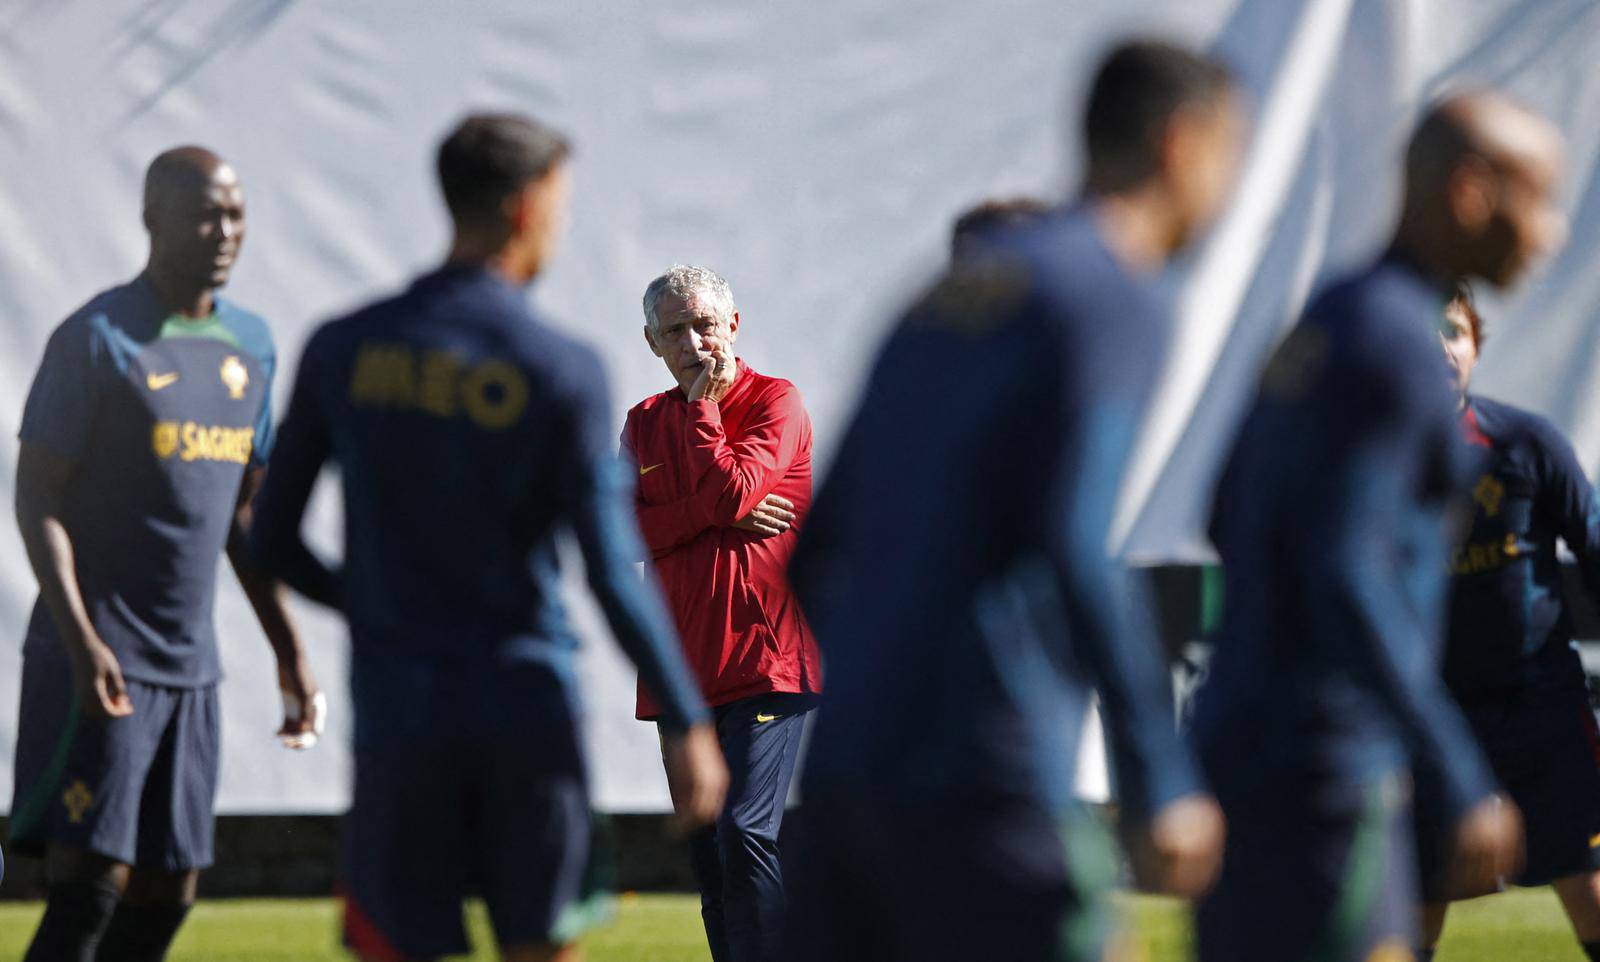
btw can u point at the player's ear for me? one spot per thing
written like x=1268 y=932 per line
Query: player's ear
x=1179 y=148
x=733 y=325
x=1470 y=194
x=650 y=339
x=519 y=210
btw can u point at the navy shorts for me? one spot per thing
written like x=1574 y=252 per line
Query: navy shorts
x=1544 y=748
x=468 y=779
x=1314 y=869
x=876 y=879
x=139 y=789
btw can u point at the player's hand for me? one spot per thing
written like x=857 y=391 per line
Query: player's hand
x=716 y=372
x=305 y=707
x=1180 y=851
x=772 y=516
x=97 y=677
x=1488 y=846
x=697 y=777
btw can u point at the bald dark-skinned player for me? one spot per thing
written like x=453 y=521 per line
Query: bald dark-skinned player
x=1325 y=689
x=143 y=441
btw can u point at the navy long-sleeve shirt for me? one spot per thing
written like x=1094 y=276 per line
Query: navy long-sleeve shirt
x=468 y=435
x=1329 y=521
x=954 y=565
x=1508 y=627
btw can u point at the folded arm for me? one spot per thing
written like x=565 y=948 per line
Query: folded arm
x=731 y=478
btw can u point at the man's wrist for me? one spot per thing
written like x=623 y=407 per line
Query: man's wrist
x=291 y=660
x=78 y=641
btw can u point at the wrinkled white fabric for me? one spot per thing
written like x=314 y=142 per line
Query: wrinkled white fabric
x=812 y=153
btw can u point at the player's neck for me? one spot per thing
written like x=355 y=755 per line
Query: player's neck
x=1135 y=229
x=493 y=255
x=1427 y=246
x=179 y=297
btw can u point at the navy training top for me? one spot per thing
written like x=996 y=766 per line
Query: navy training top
x=160 y=416
x=1508 y=627
x=954 y=565
x=468 y=435
x=1329 y=521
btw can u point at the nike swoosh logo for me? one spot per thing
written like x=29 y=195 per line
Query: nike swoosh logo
x=157 y=382
x=645 y=471
x=763 y=719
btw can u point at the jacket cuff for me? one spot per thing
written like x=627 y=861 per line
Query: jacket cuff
x=704 y=410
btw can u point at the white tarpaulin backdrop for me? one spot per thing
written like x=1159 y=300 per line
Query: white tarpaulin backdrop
x=813 y=153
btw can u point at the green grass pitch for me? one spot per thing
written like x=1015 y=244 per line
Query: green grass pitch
x=1518 y=927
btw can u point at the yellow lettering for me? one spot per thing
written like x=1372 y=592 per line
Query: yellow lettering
x=202 y=443
x=495 y=394
x=1477 y=558
x=492 y=393
x=385 y=376
x=441 y=372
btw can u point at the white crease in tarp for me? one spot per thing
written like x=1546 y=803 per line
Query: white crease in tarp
x=813 y=153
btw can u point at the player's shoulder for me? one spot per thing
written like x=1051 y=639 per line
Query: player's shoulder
x=1055 y=279
x=343 y=331
x=248 y=329
x=114 y=307
x=1066 y=259
x=1387 y=294
x=358 y=320
x=537 y=342
x=1378 y=317
x=1077 y=283
x=568 y=367
x=1517 y=427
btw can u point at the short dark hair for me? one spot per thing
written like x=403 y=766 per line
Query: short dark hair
x=1463 y=296
x=994 y=214
x=489 y=157
x=1138 y=88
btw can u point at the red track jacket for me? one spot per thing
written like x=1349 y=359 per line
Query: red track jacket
x=703 y=466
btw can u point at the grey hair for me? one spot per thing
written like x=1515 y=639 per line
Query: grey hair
x=700 y=284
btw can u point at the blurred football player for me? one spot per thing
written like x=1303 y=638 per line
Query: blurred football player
x=1509 y=657
x=989 y=218
x=143 y=441
x=468 y=434
x=956 y=573
x=1328 y=518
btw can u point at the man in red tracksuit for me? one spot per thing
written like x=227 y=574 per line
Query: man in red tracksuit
x=724 y=464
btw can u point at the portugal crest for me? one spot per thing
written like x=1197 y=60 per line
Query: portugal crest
x=78 y=800
x=1488 y=492
x=164 y=439
x=235 y=376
